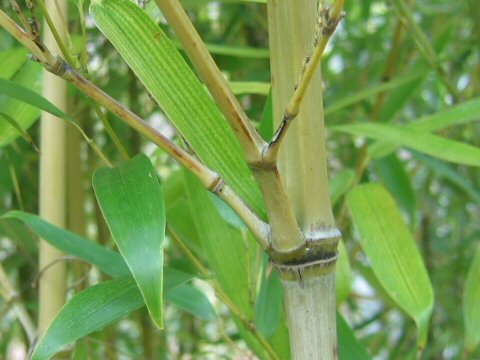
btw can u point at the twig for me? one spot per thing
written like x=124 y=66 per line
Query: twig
x=22 y=17
x=328 y=20
x=249 y=139
x=210 y=180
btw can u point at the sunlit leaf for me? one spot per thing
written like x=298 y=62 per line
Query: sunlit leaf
x=392 y=253
x=161 y=68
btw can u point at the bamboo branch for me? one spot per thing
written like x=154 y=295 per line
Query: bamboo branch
x=249 y=139
x=37 y=51
x=329 y=19
x=210 y=179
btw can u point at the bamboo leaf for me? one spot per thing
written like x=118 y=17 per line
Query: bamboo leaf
x=13 y=105
x=392 y=253
x=340 y=184
x=192 y=300
x=471 y=308
x=433 y=145
x=344 y=274
x=161 y=68
x=13 y=123
x=89 y=311
x=223 y=245
x=397 y=181
x=106 y=260
x=349 y=347
x=11 y=61
x=250 y=87
x=364 y=94
x=131 y=201
x=24 y=94
x=456 y=115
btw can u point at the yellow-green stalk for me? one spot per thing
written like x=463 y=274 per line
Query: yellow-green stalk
x=52 y=180
x=309 y=282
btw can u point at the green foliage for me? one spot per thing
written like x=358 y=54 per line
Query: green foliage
x=392 y=253
x=132 y=203
x=414 y=114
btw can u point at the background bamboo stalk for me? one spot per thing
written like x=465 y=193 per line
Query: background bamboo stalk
x=52 y=180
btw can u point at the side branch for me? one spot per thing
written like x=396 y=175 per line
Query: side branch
x=249 y=139
x=328 y=20
x=210 y=179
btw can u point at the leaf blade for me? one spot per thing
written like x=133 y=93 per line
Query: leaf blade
x=392 y=253
x=157 y=63
x=131 y=201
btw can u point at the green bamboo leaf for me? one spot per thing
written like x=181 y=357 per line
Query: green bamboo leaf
x=161 y=68
x=24 y=84
x=461 y=114
x=455 y=115
x=226 y=251
x=433 y=145
x=451 y=174
x=103 y=304
x=471 y=308
x=11 y=61
x=106 y=260
x=131 y=201
x=344 y=274
x=349 y=347
x=24 y=94
x=89 y=311
x=397 y=181
x=250 y=87
x=192 y=300
x=13 y=123
x=365 y=94
x=340 y=184
x=392 y=253
x=269 y=304
x=227 y=258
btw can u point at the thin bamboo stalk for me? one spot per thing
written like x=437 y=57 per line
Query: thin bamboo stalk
x=52 y=284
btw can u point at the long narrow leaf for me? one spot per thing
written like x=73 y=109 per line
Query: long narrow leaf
x=131 y=201
x=89 y=311
x=433 y=145
x=12 y=105
x=471 y=303
x=106 y=260
x=392 y=253
x=161 y=68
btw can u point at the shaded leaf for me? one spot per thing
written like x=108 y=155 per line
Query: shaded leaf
x=106 y=260
x=471 y=301
x=194 y=301
x=89 y=311
x=349 y=347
